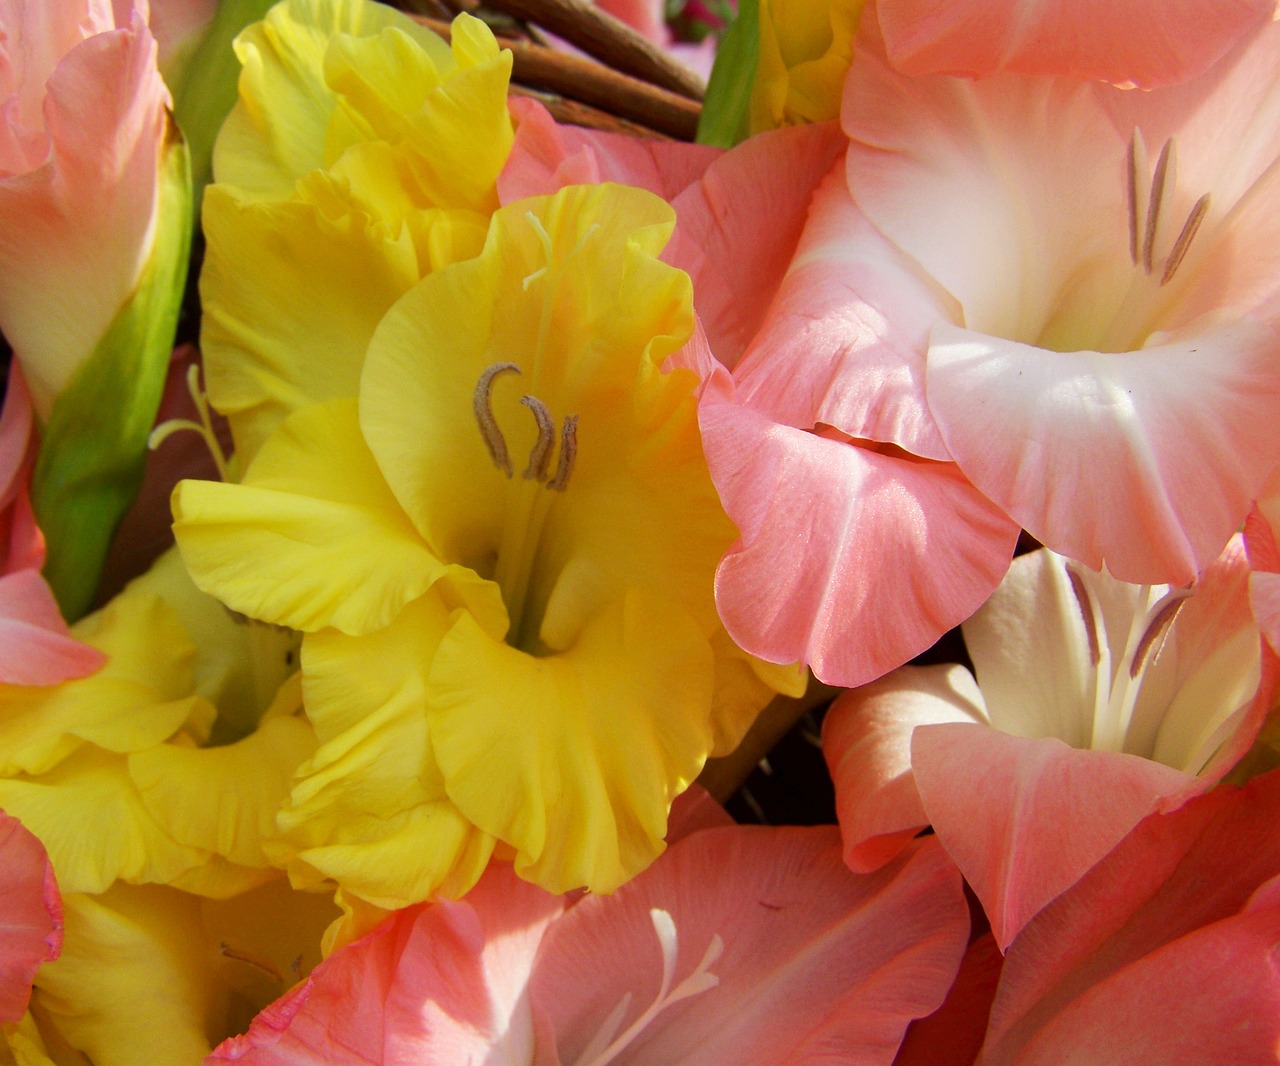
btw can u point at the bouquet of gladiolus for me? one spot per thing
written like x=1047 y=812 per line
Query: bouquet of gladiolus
x=544 y=442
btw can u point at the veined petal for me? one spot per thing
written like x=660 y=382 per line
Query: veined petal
x=585 y=793
x=314 y=502
x=1176 y=440
x=1024 y=818
x=546 y=156
x=816 y=963
x=1139 y=42
x=873 y=520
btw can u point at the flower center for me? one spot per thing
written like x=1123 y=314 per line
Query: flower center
x=1099 y=310
x=528 y=505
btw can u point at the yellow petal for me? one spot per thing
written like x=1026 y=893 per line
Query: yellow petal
x=590 y=745
x=277 y=336
x=313 y=503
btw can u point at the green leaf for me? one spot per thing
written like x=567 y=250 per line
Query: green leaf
x=725 y=110
x=94 y=446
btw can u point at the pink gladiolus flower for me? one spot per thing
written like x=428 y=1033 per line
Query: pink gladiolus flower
x=741 y=944
x=1142 y=42
x=84 y=120
x=1084 y=322
x=31 y=928
x=1096 y=703
x=36 y=648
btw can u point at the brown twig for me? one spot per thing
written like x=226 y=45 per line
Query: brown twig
x=596 y=86
x=610 y=40
x=573 y=113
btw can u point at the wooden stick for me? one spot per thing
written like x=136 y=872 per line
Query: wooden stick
x=573 y=113
x=610 y=40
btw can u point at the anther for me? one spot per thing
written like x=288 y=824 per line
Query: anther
x=1086 y=614
x=1188 y=234
x=1165 y=174
x=568 y=453
x=1158 y=622
x=540 y=457
x=1137 y=179
x=489 y=431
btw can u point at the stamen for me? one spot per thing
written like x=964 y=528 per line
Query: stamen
x=489 y=431
x=1138 y=164
x=204 y=427
x=1188 y=234
x=540 y=457
x=257 y=962
x=568 y=453
x=1086 y=613
x=1166 y=172
x=1158 y=621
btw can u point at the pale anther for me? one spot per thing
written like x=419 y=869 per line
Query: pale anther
x=489 y=431
x=1158 y=621
x=540 y=457
x=1135 y=186
x=1086 y=614
x=1188 y=234
x=568 y=453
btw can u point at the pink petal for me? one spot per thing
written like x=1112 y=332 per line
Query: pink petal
x=1145 y=42
x=849 y=559
x=75 y=231
x=954 y=1032
x=843 y=344
x=547 y=156
x=31 y=927
x=433 y=984
x=816 y=961
x=866 y=740
x=1025 y=818
x=739 y=223
x=1164 y=952
x=36 y=648
x=1145 y=461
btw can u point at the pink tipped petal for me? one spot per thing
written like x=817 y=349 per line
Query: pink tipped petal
x=739 y=224
x=815 y=961
x=843 y=344
x=1174 y=441
x=1025 y=818
x=849 y=559
x=1264 y=595
x=547 y=156
x=36 y=648
x=30 y=915
x=1164 y=952
x=434 y=985
x=1144 y=42
x=75 y=231
x=16 y=425
x=866 y=740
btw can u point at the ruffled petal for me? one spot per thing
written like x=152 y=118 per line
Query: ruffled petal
x=342 y=552
x=1145 y=461
x=850 y=559
x=31 y=930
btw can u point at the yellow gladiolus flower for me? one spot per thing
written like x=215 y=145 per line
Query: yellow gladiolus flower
x=501 y=554
x=363 y=146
